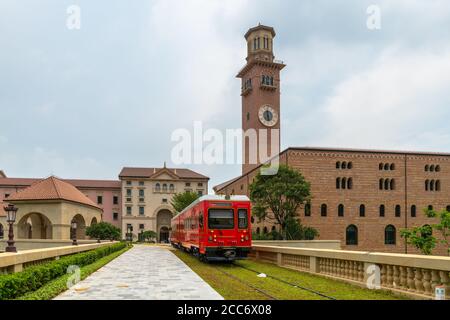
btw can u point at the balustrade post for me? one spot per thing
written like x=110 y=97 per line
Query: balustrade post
x=427 y=281
x=446 y=283
x=418 y=280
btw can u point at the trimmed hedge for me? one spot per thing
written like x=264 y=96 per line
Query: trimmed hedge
x=32 y=278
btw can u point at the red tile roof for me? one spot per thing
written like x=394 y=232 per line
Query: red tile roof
x=148 y=172
x=52 y=188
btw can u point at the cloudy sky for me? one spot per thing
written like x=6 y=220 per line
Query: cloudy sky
x=84 y=103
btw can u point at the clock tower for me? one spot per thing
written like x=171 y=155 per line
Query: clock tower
x=260 y=98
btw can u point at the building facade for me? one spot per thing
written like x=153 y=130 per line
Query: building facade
x=147 y=195
x=361 y=197
x=140 y=198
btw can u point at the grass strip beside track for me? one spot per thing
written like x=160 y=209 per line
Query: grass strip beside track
x=239 y=286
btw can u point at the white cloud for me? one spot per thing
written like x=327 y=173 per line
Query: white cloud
x=398 y=101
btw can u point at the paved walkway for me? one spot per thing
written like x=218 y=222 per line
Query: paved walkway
x=142 y=273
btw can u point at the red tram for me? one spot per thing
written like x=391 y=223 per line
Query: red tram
x=214 y=228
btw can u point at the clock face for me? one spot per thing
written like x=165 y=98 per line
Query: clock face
x=268 y=116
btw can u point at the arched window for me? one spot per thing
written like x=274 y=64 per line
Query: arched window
x=350 y=165
x=398 y=210
x=344 y=183
x=1 y=231
x=413 y=211
x=386 y=166
x=430 y=207
x=432 y=168
x=392 y=184
x=307 y=210
x=323 y=210
x=448 y=208
x=344 y=165
x=381 y=184
x=338 y=183
x=171 y=187
x=392 y=166
x=427 y=168
x=427 y=185
x=341 y=210
x=164 y=187
x=350 y=183
x=157 y=187
x=382 y=210
x=380 y=166
x=438 y=168
x=258 y=230
x=438 y=185
x=432 y=185
x=338 y=165
x=362 y=210
x=265 y=230
x=386 y=184
x=273 y=228
x=390 y=236
x=351 y=235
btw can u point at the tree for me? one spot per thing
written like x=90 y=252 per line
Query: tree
x=148 y=235
x=180 y=201
x=443 y=226
x=281 y=194
x=103 y=231
x=421 y=238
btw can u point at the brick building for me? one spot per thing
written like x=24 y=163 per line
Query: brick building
x=361 y=197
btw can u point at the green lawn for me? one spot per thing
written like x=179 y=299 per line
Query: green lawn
x=232 y=289
x=57 y=286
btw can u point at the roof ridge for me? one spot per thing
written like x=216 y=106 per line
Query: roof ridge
x=58 y=191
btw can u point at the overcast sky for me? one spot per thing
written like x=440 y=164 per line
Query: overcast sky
x=84 y=103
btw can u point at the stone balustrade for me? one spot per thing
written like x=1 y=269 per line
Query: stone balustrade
x=16 y=262
x=413 y=275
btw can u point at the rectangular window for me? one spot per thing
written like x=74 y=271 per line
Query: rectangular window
x=129 y=211
x=115 y=200
x=6 y=195
x=141 y=226
x=141 y=183
x=200 y=193
x=164 y=200
x=242 y=219
x=115 y=216
x=200 y=184
x=128 y=192
x=99 y=199
x=141 y=193
x=141 y=211
x=220 y=219
x=188 y=184
x=128 y=183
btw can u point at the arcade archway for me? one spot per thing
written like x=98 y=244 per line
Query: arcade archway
x=34 y=226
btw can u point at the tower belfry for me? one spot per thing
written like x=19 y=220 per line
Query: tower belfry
x=260 y=95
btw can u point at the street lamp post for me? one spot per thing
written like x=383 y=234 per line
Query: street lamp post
x=74 y=233
x=11 y=212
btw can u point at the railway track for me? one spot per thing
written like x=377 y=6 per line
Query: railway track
x=289 y=283
x=264 y=293
x=268 y=295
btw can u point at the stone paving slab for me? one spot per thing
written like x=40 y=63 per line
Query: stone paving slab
x=143 y=273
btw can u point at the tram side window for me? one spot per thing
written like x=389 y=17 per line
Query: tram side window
x=220 y=219
x=243 y=219
x=200 y=220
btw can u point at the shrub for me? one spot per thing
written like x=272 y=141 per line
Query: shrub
x=103 y=231
x=32 y=278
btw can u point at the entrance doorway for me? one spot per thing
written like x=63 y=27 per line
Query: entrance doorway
x=164 y=235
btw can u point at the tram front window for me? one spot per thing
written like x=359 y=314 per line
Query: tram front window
x=221 y=219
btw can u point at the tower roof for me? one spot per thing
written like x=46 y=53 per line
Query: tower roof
x=260 y=27
x=52 y=188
